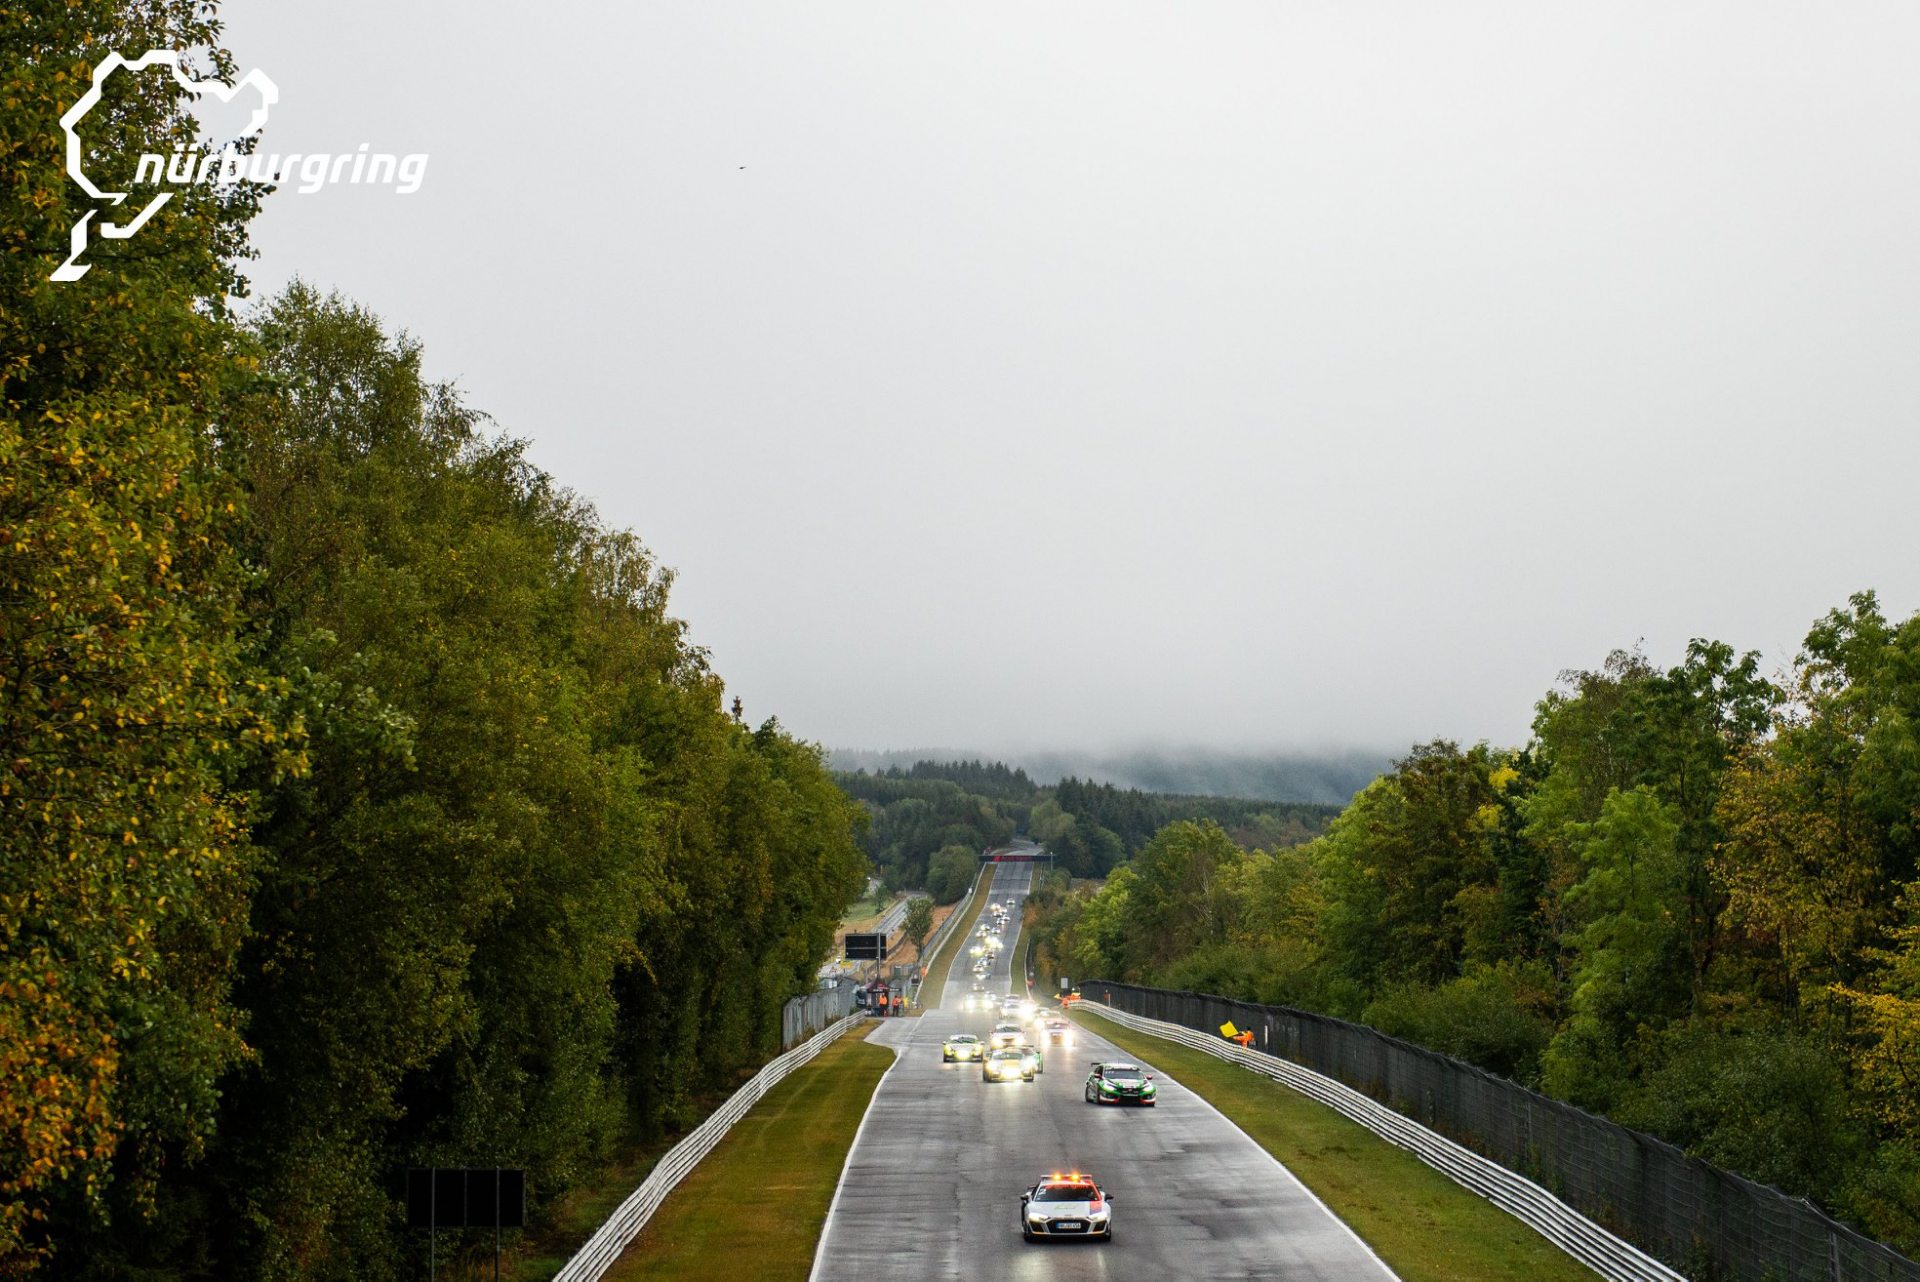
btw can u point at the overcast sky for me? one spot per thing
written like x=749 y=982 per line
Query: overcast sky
x=1091 y=374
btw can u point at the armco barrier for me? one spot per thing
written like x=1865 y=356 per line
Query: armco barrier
x=613 y=1237
x=953 y=919
x=1609 y=1256
x=1707 y=1223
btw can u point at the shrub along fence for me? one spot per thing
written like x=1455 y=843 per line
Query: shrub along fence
x=1708 y=1223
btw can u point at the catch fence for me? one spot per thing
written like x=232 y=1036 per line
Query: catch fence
x=802 y=1017
x=1709 y=1224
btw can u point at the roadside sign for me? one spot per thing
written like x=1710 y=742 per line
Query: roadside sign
x=454 y=1197
x=866 y=947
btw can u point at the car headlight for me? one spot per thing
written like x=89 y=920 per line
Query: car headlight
x=1038 y=1217
x=1100 y=1214
x=1147 y=1089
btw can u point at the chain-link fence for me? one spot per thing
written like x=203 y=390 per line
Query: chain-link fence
x=802 y=1017
x=1709 y=1224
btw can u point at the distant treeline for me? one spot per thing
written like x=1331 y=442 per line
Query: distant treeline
x=931 y=820
x=1691 y=902
x=364 y=807
x=1326 y=778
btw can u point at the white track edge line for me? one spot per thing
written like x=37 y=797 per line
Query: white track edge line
x=833 y=1207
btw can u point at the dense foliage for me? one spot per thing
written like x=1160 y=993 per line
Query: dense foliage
x=1689 y=903
x=932 y=819
x=363 y=806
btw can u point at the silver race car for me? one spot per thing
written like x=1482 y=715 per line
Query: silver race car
x=1066 y=1206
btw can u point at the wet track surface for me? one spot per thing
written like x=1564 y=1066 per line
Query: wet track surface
x=932 y=1186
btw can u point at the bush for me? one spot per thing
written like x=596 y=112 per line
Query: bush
x=1497 y=1017
x=1766 y=1101
x=950 y=872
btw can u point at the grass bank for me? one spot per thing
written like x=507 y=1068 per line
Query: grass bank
x=753 y=1209
x=863 y=913
x=1426 y=1227
x=934 y=986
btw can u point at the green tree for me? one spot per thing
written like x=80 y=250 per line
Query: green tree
x=951 y=870
x=918 y=923
x=1629 y=949
x=126 y=699
x=1408 y=872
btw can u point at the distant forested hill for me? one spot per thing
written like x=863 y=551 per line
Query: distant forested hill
x=1327 y=779
x=1331 y=778
x=932 y=819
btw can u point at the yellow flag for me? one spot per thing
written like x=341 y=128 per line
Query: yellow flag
x=1228 y=1030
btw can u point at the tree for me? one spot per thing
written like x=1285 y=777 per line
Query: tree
x=951 y=870
x=919 y=921
x=1629 y=949
x=127 y=703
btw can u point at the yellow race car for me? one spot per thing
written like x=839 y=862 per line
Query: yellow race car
x=961 y=1046
x=1007 y=1065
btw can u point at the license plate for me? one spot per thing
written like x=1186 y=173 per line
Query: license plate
x=1068 y=1225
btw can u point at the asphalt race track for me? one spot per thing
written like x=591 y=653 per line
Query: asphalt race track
x=932 y=1186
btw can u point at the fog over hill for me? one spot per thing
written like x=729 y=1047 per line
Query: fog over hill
x=1329 y=778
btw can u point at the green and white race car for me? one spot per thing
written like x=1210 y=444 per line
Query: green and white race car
x=1120 y=1084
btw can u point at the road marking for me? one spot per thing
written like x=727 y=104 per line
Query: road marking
x=833 y=1207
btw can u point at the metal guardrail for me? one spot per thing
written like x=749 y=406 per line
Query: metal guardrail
x=1610 y=1256
x=611 y=1238
x=1711 y=1225
x=938 y=939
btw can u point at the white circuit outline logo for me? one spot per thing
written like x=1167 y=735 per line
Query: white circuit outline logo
x=169 y=58
x=190 y=165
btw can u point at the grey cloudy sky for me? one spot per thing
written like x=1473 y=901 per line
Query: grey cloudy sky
x=1082 y=374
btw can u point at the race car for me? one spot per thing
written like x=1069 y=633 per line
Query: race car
x=1034 y=1055
x=1006 y=1065
x=1120 y=1084
x=1057 y=1032
x=961 y=1046
x=1005 y=1034
x=1066 y=1206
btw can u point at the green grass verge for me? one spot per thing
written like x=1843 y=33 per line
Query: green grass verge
x=754 y=1207
x=934 y=987
x=862 y=911
x=1426 y=1227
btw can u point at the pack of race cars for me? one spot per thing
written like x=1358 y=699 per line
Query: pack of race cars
x=1063 y=1204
